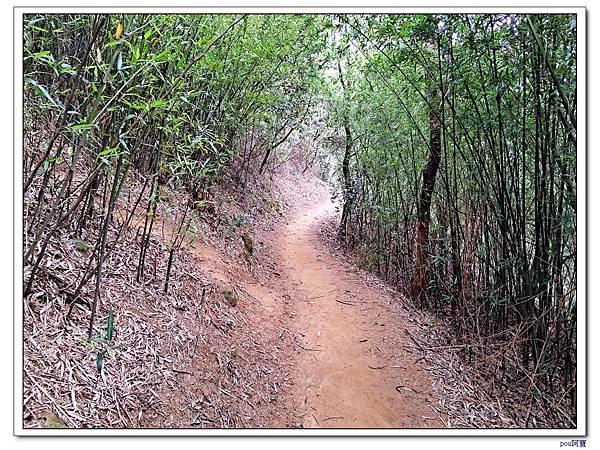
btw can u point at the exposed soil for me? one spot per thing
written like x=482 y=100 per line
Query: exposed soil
x=346 y=375
x=291 y=334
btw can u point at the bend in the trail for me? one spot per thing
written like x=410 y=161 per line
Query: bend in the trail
x=352 y=371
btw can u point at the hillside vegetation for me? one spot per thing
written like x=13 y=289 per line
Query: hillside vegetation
x=449 y=140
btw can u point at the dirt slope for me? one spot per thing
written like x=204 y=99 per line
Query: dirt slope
x=310 y=342
x=345 y=374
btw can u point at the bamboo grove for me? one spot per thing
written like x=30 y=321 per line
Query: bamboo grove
x=461 y=186
x=452 y=140
x=164 y=101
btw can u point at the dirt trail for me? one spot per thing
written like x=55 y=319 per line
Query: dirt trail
x=351 y=371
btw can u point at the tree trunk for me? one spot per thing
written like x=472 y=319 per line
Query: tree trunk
x=347 y=195
x=347 y=184
x=424 y=205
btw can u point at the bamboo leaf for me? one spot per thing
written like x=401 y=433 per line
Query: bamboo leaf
x=119 y=31
x=110 y=325
x=100 y=361
x=99 y=340
x=43 y=91
x=109 y=151
x=82 y=126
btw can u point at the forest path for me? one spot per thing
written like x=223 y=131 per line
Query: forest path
x=352 y=371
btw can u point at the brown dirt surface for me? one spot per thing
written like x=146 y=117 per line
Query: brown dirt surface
x=346 y=374
x=291 y=334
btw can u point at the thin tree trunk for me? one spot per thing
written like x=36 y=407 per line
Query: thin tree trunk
x=424 y=202
x=345 y=165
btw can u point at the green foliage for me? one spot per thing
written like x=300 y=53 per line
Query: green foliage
x=500 y=231
x=274 y=204
x=184 y=101
x=259 y=74
x=103 y=343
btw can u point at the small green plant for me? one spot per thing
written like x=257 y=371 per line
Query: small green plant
x=103 y=344
x=430 y=320
x=273 y=204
